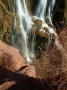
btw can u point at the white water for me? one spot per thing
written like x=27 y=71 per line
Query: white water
x=41 y=13
x=26 y=22
x=25 y=25
x=51 y=6
x=41 y=9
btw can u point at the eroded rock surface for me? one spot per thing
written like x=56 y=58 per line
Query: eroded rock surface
x=13 y=67
x=43 y=28
x=10 y=58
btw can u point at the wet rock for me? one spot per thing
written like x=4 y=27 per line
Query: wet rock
x=44 y=28
x=37 y=23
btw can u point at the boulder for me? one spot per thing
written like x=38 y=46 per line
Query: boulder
x=44 y=28
x=10 y=58
x=9 y=78
x=28 y=70
x=37 y=23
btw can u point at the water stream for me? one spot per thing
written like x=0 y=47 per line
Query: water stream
x=26 y=22
x=25 y=25
x=45 y=8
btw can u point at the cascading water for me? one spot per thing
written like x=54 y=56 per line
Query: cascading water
x=25 y=25
x=48 y=5
x=26 y=22
x=42 y=7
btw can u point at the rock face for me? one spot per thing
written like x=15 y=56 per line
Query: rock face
x=55 y=59
x=44 y=28
x=44 y=32
x=21 y=82
x=13 y=67
x=10 y=58
x=28 y=70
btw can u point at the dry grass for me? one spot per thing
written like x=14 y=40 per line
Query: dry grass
x=53 y=61
x=49 y=64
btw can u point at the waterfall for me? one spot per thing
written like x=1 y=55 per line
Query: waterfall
x=50 y=8
x=25 y=25
x=42 y=7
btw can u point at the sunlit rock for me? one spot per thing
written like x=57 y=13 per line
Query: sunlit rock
x=44 y=28
x=37 y=23
x=28 y=70
x=10 y=58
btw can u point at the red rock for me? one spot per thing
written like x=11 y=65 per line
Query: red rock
x=10 y=58
x=6 y=85
x=28 y=70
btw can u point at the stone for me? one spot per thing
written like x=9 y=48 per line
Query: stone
x=10 y=58
x=44 y=28
x=28 y=70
